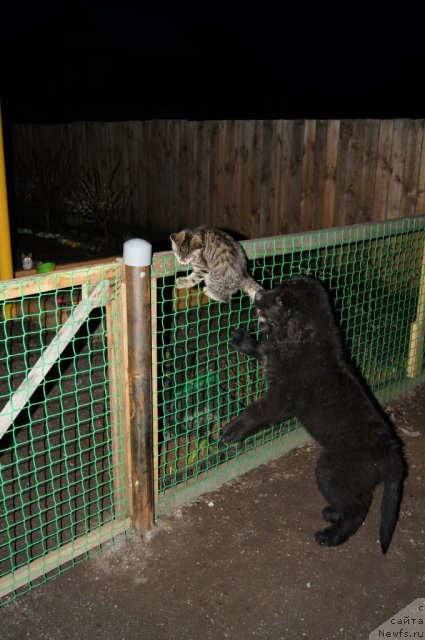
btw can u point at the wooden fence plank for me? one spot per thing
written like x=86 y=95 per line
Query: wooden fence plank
x=235 y=187
x=275 y=178
x=307 y=174
x=343 y=178
x=332 y=146
x=60 y=280
x=220 y=181
x=319 y=166
x=213 y=172
x=229 y=214
x=253 y=219
x=202 y=167
x=383 y=170
x=368 y=171
x=397 y=175
x=352 y=195
x=53 y=559
x=420 y=201
x=246 y=177
x=411 y=184
x=262 y=225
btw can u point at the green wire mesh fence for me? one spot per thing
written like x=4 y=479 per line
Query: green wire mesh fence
x=61 y=452
x=64 y=461
x=375 y=275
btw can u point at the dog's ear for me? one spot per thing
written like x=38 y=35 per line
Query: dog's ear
x=299 y=329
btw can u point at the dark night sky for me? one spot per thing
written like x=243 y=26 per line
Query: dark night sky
x=108 y=61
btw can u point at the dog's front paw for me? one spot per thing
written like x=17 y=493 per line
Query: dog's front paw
x=239 y=337
x=233 y=432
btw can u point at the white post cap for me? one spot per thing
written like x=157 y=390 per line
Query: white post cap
x=137 y=253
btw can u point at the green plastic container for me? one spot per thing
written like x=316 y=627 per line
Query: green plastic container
x=44 y=267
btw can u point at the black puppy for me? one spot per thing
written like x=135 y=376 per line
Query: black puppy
x=310 y=376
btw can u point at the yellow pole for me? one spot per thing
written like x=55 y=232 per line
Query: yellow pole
x=6 y=266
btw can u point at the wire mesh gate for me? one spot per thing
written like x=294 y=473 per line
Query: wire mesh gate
x=376 y=277
x=62 y=466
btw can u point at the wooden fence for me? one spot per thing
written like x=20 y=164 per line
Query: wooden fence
x=255 y=177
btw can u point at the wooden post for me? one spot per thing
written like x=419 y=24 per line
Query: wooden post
x=416 y=343
x=116 y=332
x=137 y=260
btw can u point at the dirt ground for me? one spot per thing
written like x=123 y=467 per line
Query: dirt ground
x=241 y=563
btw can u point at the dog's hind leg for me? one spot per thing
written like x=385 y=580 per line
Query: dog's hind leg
x=330 y=515
x=347 y=492
x=349 y=520
x=324 y=477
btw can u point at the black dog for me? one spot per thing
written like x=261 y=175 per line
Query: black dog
x=310 y=376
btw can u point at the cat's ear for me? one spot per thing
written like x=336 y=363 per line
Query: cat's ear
x=177 y=238
x=195 y=243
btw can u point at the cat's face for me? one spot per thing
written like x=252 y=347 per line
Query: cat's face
x=186 y=246
x=26 y=259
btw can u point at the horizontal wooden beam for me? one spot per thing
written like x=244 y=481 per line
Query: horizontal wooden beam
x=57 y=557
x=24 y=273
x=11 y=289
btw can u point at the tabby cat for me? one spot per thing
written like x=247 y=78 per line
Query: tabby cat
x=217 y=259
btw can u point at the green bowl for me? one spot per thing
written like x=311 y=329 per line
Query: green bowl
x=44 y=267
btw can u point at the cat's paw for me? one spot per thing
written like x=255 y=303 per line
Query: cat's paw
x=182 y=283
x=239 y=338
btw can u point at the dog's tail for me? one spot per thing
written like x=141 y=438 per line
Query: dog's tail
x=394 y=473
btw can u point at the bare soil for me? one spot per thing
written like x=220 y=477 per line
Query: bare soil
x=241 y=563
